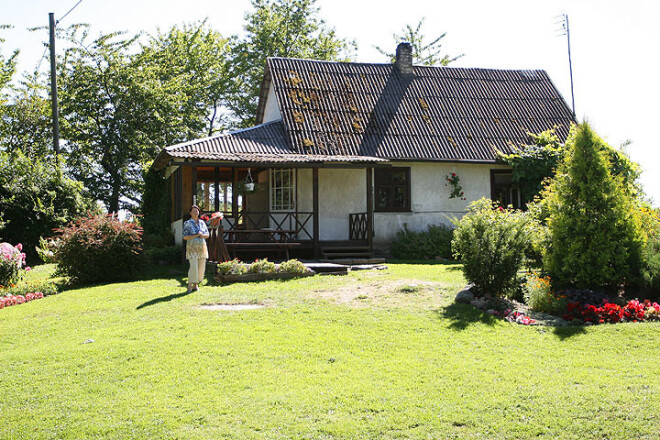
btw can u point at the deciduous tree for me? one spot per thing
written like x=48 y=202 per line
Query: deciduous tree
x=425 y=53
x=280 y=28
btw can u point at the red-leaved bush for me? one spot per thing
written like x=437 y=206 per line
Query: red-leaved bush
x=99 y=248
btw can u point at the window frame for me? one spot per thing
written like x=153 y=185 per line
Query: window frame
x=514 y=191
x=382 y=181
x=290 y=206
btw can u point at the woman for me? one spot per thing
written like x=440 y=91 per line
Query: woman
x=195 y=233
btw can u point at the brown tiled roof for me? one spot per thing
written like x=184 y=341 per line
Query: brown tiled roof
x=265 y=143
x=438 y=113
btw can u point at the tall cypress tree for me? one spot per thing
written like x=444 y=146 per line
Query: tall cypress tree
x=595 y=240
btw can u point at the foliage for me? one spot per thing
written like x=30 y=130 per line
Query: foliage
x=12 y=262
x=491 y=241
x=424 y=53
x=262 y=266
x=595 y=240
x=99 y=248
x=540 y=297
x=155 y=208
x=649 y=220
x=539 y=233
x=411 y=245
x=292 y=266
x=194 y=64
x=533 y=164
x=168 y=254
x=46 y=287
x=279 y=28
x=7 y=65
x=109 y=115
x=26 y=122
x=35 y=198
x=232 y=267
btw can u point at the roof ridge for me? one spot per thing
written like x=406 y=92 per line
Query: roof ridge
x=415 y=66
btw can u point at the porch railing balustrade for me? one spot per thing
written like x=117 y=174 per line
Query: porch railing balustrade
x=294 y=227
x=357 y=225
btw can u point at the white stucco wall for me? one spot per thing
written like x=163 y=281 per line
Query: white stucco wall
x=430 y=202
x=272 y=109
x=341 y=192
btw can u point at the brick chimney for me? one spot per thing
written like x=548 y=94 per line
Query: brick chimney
x=404 y=58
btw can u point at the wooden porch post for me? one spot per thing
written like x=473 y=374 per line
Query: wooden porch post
x=370 y=208
x=216 y=201
x=194 y=186
x=315 y=204
x=234 y=195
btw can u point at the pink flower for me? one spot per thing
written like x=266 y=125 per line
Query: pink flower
x=19 y=246
x=28 y=268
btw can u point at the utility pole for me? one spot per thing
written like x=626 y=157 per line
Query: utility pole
x=53 y=88
x=565 y=30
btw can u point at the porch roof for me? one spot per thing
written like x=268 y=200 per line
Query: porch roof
x=263 y=144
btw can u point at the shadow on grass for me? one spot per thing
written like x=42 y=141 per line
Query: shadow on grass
x=426 y=262
x=163 y=299
x=462 y=315
x=567 y=332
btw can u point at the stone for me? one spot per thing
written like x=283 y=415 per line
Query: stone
x=479 y=303
x=464 y=296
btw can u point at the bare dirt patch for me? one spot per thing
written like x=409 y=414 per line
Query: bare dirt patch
x=231 y=307
x=387 y=293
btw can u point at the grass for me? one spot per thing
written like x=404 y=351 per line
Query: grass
x=370 y=355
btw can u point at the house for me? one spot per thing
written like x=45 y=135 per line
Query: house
x=342 y=149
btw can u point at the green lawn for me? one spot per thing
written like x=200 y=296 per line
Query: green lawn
x=371 y=355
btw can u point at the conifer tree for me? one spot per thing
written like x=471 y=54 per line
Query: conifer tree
x=595 y=240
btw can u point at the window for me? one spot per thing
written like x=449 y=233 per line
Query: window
x=282 y=189
x=502 y=189
x=392 y=189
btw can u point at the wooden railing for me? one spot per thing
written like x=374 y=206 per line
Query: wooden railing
x=357 y=225
x=292 y=227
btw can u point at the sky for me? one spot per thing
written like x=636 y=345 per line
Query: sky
x=614 y=46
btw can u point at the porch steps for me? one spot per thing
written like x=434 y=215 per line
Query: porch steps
x=349 y=254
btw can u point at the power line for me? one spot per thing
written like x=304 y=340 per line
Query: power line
x=43 y=55
x=70 y=10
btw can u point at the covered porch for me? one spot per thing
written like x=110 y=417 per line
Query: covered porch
x=278 y=210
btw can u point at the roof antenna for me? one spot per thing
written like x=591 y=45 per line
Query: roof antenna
x=564 y=29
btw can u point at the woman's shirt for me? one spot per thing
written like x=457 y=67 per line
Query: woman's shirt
x=195 y=248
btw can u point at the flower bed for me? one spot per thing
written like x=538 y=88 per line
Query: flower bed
x=633 y=311
x=260 y=270
x=12 y=300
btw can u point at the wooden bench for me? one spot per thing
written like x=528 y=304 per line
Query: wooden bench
x=261 y=246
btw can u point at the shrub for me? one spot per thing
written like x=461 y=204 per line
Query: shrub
x=22 y=289
x=292 y=266
x=232 y=267
x=262 y=266
x=12 y=261
x=99 y=248
x=167 y=254
x=35 y=198
x=596 y=242
x=540 y=297
x=492 y=242
x=649 y=220
x=435 y=242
